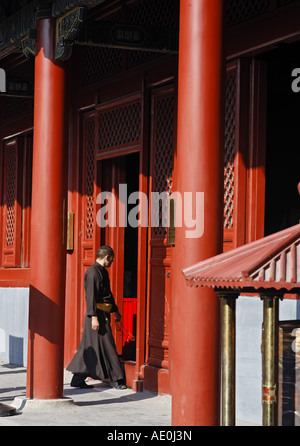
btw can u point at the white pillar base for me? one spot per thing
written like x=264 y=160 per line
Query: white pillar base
x=43 y=405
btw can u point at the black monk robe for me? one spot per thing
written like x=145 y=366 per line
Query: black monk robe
x=96 y=355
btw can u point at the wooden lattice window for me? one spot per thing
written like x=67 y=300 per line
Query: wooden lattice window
x=100 y=63
x=11 y=205
x=240 y=10
x=235 y=148
x=17 y=105
x=119 y=125
x=162 y=153
x=89 y=175
x=229 y=153
x=285 y=2
x=157 y=13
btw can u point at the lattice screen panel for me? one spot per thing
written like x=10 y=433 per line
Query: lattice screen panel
x=90 y=172
x=11 y=159
x=119 y=126
x=163 y=152
x=285 y=2
x=11 y=206
x=100 y=63
x=15 y=106
x=240 y=10
x=157 y=13
x=229 y=149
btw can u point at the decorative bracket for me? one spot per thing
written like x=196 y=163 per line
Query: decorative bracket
x=67 y=28
x=28 y=44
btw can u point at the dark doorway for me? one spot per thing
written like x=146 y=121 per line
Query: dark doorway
x=130 y=264
x=283 y=140
x=113 y=173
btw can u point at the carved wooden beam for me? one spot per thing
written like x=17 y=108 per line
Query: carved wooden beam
x=16 y=31
x=67 y=28
x=127 y=36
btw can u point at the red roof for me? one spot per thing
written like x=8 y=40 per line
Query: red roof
x=271 y=262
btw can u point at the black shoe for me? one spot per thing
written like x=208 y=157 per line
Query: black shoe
x=118 y=385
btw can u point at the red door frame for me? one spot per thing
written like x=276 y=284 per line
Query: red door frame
x=119 y=92
x=133 y=369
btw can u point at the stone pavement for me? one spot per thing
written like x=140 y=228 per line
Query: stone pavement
x=99 y=406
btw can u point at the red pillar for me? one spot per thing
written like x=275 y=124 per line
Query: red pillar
x=195 y=371
x=47 y=252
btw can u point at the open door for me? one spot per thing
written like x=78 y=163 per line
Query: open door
x=117 y=178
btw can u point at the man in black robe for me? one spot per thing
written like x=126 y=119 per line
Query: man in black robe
x=97 y=356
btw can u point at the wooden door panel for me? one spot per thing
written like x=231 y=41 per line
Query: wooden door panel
x=160 y=282
x=87 y=223
x=235 y=153
x=244 y=157
x=161 y=180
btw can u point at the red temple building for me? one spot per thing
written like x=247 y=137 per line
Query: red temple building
x=197 y=99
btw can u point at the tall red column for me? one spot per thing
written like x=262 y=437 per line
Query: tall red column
x=195 y=371
x=47 y=252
